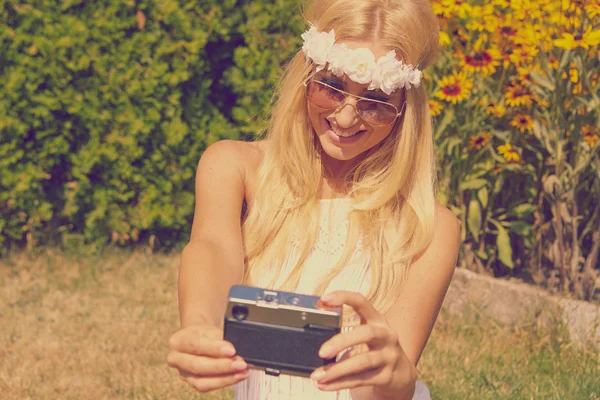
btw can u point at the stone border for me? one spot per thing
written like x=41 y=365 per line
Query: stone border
x=513 y=302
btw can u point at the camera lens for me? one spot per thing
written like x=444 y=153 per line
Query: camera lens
x=239 y=312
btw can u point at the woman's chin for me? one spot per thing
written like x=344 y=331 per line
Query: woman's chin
x=337 y=152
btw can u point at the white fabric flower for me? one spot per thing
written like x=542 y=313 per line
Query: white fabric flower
x=414 y=78
x=337 y=59
x=387 y=73
x=317 y=46
x=387 y=76
x=359 y=65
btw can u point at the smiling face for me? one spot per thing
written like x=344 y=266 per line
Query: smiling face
x=333 y=126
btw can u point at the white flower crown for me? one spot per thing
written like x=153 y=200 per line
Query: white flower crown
x=387 y=73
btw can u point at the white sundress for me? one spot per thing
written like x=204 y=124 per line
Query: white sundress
x=355 y=277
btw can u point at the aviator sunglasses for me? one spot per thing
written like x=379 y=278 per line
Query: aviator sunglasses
x=373 y=112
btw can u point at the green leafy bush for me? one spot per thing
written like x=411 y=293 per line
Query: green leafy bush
x=106 y=109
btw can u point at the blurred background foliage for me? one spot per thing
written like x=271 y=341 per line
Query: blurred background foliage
x=107 y=106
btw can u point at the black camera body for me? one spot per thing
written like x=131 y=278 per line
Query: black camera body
x=279 y=332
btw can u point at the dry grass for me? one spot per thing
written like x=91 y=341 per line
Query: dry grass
x=93 y=329
x=96 y=327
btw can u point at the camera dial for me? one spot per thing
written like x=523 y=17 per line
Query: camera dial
x=270 y=298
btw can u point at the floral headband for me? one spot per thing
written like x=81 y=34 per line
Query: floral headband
x=387 y=73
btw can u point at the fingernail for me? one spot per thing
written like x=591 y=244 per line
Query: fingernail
x=321 y=386
x=242 y=375
x=328 y=297
x=239 y=365
x=318 y=374
x=325 y=351
x=227 y=351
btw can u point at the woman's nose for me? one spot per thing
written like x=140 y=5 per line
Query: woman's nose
x=345 y=115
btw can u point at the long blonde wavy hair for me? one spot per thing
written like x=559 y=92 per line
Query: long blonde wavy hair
x=392 y=186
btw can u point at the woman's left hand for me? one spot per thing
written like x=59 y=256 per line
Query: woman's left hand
x=383 y=365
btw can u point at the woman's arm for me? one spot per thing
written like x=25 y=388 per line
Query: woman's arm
x=413 y=315
x=213 y=260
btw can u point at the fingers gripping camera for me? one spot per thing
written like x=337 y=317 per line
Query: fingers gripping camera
x=280 y=332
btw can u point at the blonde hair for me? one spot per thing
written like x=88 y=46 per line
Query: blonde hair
x=392 y=188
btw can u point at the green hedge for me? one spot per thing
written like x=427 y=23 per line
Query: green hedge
x=108 y=105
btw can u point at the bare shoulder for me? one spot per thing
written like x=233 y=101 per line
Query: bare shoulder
x=246 y=157
x=445 y=242
x=445 y=220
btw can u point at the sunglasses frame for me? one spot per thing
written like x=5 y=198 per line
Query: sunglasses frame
x=343 y=103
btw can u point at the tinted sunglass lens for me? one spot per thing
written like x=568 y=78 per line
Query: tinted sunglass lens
x=323 y=96
x=376 y=113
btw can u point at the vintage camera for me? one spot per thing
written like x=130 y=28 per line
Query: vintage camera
x=279 y=332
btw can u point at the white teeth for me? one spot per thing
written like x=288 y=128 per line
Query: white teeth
x=342 y=134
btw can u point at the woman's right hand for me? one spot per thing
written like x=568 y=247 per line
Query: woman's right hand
x=204 y=360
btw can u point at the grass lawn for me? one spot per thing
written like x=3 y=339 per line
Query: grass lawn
x=96 y=327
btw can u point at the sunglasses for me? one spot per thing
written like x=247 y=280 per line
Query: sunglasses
x=373 y=112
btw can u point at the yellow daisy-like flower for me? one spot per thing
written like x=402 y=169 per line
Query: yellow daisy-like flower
x=524 y=73
x=519 y=95
x=454 y=88
x=507 y=31
x=460 y=8
x=590 y=135
x=482 y=61
x=435 y=107
x=500 y=3
x=478 y=141
x=542 y=103
x=584 y=40
x=572 y=6
x=553 y=62
x=510 y=155
x=482 y=18
x=523 y=54
x=460 y=35
x=444 y=39
x=497 y=110
x=523 y=122
x=573 y=73
x=592 y=10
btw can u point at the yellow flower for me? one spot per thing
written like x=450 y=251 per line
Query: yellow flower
x=483 y=61
x=593 y=10
x=444 y=39
x=435 y=107
x=454 y=88
x=525 y=73
x=553 y=62
x=458 y=8
x=518 y=95
x=479 y=141
x=510 y=154
x=585 y=40
x=482 y=18
x=497 y=110
x=507 y=30
x=573 y=73
x=523 y=54
x=523 y=122
x=590 y=135
x=542 y=103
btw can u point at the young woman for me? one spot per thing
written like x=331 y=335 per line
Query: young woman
x=337 y=200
